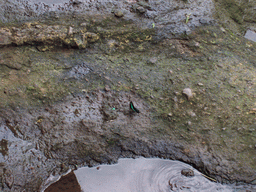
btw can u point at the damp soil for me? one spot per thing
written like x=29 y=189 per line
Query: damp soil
x=68 y=77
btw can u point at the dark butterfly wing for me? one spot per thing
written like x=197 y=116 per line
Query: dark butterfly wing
x=134 y=108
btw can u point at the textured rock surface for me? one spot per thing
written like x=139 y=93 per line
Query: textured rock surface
x=69 y=74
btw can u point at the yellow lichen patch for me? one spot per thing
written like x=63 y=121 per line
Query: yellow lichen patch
x=91 y=37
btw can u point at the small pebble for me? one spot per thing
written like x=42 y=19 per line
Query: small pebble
x=223 y=30
x=152 y=60
x=76 y=2
x=170 y=114
x=187 y=172
x=220 y=65
x=175 y=99
x=107 y=88
x=38 y=26
x=191 y=113
x=83 y=24
x=119 y=13
x=200 y=84
x=188 y=93
x=141 y=9
x=70 y=31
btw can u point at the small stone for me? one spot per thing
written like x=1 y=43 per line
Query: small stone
x=151 y=14
x=76 y=2
x=113 y=43
x=189 y=123
x=38 y=26
x=171 y=71
x=205 y=21
x=197 y=44
x=170 y=114
x=83 y=24
x=200 y=84
x=188 y=93
x=119 y=13
x=141 y=9
x=187 y=172
x=220 y=65
x=191 y=113
x=152 y=60
x=107 y=88
x=224 y=128
x=70 y=31
x=223 y=30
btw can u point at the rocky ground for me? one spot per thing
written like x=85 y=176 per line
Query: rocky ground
x=69 y=72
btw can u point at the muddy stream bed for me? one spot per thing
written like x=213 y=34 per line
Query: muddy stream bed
x=85 y=83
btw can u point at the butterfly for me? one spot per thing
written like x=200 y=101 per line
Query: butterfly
x=133 y=108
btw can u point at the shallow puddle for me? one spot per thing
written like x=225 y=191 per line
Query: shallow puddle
x=145 y=175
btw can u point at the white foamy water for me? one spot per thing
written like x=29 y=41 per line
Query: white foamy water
x=145 y=175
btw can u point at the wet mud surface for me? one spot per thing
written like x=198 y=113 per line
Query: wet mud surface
x=67 y=183
x=67 y=83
